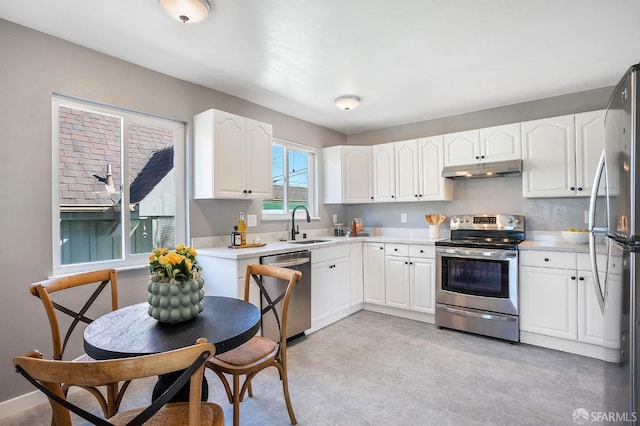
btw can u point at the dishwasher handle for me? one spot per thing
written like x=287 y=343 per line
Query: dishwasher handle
x=289 y=263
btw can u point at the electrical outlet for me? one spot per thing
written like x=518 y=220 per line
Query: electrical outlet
x=586 y=216
x=335 y=218
x=403 y=218
x=252 y=220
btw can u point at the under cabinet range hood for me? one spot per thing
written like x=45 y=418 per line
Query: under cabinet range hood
x=484 y=170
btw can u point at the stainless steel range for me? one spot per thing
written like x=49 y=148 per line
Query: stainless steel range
x=477 y=275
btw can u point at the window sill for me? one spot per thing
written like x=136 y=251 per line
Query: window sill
x=285 y=217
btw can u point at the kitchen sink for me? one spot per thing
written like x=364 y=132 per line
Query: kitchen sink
x=308 y=241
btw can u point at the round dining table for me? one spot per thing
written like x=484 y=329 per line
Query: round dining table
x=130 y=331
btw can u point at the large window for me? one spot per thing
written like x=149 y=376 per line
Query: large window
x=118 y=186
x=294 y=180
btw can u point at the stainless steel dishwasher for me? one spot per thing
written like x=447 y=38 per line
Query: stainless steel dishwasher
x=299 y=318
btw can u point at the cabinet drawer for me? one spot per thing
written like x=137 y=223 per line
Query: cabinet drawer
x=326 y=253
x=424 y=251
x=584 y=263
x=548 y=259
x=396 y=249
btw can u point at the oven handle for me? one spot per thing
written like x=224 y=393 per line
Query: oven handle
x=467 y=313
x=477 y=253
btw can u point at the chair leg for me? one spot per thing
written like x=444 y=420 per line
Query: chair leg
x=236 y=400
x=285 y=388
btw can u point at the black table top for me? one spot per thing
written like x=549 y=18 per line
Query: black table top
x=130 y=331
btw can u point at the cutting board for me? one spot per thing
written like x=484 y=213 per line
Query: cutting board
x=248 y=246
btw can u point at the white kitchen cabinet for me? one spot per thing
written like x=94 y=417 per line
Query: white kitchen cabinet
x=560 y=154
x=548 y=302
x=418 y=167
x=497 y=143
x=225 y=277
x=557 y=297
x=356 y=273
x=373 y=273
x=347 y=174
x=410 y=277
x=384 y=173
x=330 y=286
x=232 y=156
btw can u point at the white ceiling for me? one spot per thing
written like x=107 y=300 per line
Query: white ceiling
x=409 y=60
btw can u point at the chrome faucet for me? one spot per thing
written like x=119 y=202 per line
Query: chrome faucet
x=295 y=230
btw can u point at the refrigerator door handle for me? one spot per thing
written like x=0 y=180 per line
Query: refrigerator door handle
x=597 y=231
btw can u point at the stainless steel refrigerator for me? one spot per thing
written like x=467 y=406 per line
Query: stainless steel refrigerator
x=615 y=243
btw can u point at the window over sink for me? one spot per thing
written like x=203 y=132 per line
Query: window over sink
x=294 y=180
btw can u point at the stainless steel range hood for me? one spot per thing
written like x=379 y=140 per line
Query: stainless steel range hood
x=484 y=170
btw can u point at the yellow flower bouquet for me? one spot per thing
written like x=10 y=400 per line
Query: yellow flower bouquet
x=174 y=266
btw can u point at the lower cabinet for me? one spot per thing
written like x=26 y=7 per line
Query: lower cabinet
x=225 y=277
x=410 y=277
x=330 y=285
x=557 y=298
x=373 y=273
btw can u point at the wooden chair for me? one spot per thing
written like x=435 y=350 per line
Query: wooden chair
x=101 y=279
x=47 y=375
x=259 y=352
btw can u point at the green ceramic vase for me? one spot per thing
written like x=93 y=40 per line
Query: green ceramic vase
x=175 y=302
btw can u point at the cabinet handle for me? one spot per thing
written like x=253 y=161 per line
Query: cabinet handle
x=244 y=192
x=381 y=248
x=420 y=195
x=581 y=278
x=395 y=249
x=415 y=195
x=579 y=188
x=410 y=263
x=372 y=198
x=406 y=263
x=477 y=158
x=546 y=259
x=573 y=188
x=421 y=251
x=393 y=196
x=573 y=277
x=482 y=156
x=249 y=191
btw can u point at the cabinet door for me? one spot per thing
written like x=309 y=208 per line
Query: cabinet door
x=549 y=157
x=340 y=286
x=501 y=143
x=373 y=273
x=589 y=145
x=229 y=167
x=355 y=271
x=548 y=302
x=590 y=318
x=406 y=155
x=462 y=148
x=259 y=181
x=423 y=285
x=357 y=169
x=384 y=175
x=432 y=186
x=397 y=282
x=320 y=291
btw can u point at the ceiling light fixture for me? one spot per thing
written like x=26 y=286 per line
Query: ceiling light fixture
x=186 y=11
x=347 y=102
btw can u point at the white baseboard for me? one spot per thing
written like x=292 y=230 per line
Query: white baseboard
x=21 y=403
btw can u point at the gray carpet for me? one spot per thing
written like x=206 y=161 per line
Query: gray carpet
x=372 y=368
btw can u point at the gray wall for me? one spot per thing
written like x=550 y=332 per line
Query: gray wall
x=33 y=66
x=499 y=195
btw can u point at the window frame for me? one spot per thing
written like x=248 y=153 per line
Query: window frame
x=127 y=116
x=312 y=184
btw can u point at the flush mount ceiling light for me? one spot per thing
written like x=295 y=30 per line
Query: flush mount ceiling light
x=187 y=11
x=347 y=102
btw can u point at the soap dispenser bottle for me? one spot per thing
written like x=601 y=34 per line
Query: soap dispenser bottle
x=236 y=238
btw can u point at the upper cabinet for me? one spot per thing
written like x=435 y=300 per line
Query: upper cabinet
x=418 y=166
x=384 y=173
x=232 y=156
x=561 y=154
x=498 y=143
x=348 y=174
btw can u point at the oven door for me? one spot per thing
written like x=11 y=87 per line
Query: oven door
x=484 y=279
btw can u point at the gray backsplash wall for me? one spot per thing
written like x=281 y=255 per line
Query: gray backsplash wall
x=495 y=195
